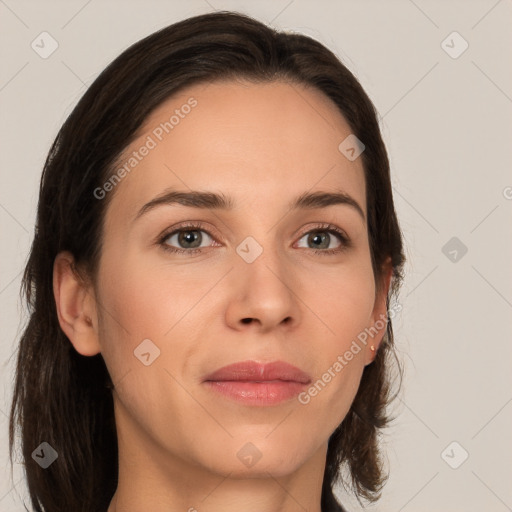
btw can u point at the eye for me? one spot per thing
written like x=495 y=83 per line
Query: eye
x=188 y=239
x=322 y=236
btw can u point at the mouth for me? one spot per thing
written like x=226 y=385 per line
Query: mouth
x=258 y=384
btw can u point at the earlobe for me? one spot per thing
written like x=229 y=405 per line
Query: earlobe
x=75 y=305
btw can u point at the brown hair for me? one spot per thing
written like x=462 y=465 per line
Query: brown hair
x=62 y=397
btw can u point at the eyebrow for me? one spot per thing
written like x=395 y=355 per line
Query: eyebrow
x=214 y=201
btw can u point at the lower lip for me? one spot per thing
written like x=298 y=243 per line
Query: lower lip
x=257 y=393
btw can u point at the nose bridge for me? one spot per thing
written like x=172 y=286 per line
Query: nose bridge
x=260 y=228
x=261 y=256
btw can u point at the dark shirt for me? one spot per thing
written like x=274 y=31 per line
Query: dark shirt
x=330 y=504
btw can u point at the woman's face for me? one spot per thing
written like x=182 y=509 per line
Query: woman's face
x=254 y=282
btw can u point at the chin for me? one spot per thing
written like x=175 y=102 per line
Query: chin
x=259 y=470
x=248 y=461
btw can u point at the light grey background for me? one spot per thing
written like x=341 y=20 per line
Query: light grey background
x=448 y=128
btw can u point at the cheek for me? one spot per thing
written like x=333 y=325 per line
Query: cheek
x=139 y=303
x=344 y=300
x=142 y=301
x=148 y=301
x=132 y=308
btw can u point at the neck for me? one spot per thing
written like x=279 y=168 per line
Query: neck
x=151 y=478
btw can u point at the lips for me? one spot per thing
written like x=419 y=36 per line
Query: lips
x=251 y=371
x=255 y=384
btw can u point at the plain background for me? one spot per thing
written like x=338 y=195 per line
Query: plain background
x=448 y=128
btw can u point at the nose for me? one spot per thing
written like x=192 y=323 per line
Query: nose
x=261 y=294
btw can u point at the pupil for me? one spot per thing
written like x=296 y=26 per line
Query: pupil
x=189 y=236
x=319 y=238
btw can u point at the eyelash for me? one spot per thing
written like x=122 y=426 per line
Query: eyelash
x=326 y=228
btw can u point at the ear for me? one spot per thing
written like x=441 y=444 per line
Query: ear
x=378 y=319
x=76 y=306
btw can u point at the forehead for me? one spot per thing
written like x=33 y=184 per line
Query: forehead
x=254 y=142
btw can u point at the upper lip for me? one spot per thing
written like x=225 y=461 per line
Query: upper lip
x=252 y=371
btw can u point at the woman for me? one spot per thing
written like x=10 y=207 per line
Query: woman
x=210 y=281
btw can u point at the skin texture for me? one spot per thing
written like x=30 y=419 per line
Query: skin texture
x=263 y=145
